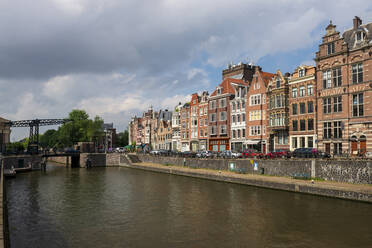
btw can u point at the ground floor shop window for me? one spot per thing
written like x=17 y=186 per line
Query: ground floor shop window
x=294 y=142
x=310 y=142
x=302 y=142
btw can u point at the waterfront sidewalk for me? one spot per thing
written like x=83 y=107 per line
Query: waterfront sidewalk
x=349 y=191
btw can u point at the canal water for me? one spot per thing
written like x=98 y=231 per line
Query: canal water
x=121 y=207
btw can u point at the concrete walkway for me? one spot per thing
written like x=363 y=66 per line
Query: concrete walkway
x=324 y=188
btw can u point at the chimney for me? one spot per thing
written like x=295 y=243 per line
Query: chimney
x=357 y=22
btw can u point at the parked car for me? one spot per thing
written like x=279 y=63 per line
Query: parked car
x=120 y=149
x=70 y=150
x=252 y=153
x=154 y=152
x=189 y=154
x=309 y=153
x=279 y=153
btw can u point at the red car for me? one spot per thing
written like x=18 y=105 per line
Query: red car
x=280 y=153
x=252 y=153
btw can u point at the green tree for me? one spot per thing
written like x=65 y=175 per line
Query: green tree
x=49 y=138
x=76 y=130
x=122 y=139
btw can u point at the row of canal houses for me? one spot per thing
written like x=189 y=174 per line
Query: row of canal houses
x=326 y=106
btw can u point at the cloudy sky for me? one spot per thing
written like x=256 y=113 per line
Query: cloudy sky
x=115 y=58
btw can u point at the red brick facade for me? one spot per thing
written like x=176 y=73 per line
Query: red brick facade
x=344 y=90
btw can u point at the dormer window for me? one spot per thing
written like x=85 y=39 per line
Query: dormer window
x=331 y=48
x=219 y=91
x=301 y=73
x=277 y=83
x=359 y=36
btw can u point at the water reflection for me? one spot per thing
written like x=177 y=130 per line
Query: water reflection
x=118 y=207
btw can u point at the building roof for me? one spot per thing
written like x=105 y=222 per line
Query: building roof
x=349 y=35
x=226 y=86
x=266 y=76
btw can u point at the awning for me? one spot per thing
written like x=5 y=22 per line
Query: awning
x=252 y=142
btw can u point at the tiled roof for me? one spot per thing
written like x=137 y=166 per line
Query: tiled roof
x=266 y=76
x=349 y=35
x=227 y=87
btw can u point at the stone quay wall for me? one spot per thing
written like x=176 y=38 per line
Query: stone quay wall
x=18 y=160
x=349 y=171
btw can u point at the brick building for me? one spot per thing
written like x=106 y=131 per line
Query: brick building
x=256 y=110
x=163 y=135
x=344 y=89
x=203 y=121
x=302 y=108
x=176 y=128
x=185 y=127
x=277 y=101
x=219 y=114
x=194 y=117
x=238 y=117
x=240 y=71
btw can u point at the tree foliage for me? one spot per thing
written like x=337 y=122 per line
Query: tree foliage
x=79 y=129
x=122 y=139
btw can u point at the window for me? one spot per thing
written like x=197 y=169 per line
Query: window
x=212 y=104
x=302 y=108
x=282 y=138
x=310 y=90
x=294 y=142
x=294 y=126
x=243 y=117
x=278 y=83
x=233 y=134
x=223 y=116
x=301 y=72
x=243 y=104
x=233 y=119
x=331 y=48
x=222 y=103
x=237 y=105
x=337 y=104
x=337 y=129
x=238 y=118
x=327 y=130
x=294 y=92
x=327 y=105
x=310 y=124
x=223 y=129
x=358 y=105
x=337 y=79
x=357 y=73
x=310 y=142
x=302 y=125
x=302 y=91
x=302 y=142
x=201 y=111
x=337 y=148
x=218 y=91
x=294 y=109
x=205 y=122
x=359 y=36
x=201 y=133
x=243 y=133
x=213 y=130
x=255 y=130
x=255 y=100
x=212 y=117
x=310 y=107
x=201 y=122
x=238 y=133
x=205 y=111
x=327 y=80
